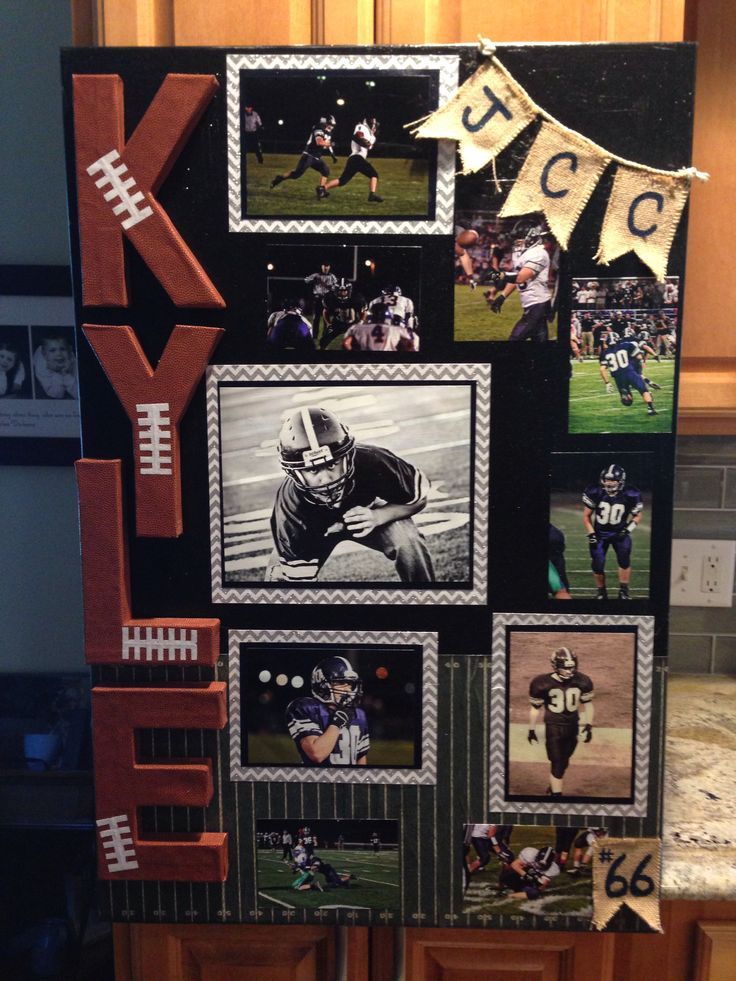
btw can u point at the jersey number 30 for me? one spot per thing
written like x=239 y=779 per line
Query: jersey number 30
x=559 y=700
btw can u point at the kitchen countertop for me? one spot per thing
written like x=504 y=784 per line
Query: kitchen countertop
x=699 y=836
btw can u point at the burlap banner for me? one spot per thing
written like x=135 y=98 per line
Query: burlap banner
x=557 y=178
x=562 y=169
x=642 y=216
x=626 y=871
x=484 y=116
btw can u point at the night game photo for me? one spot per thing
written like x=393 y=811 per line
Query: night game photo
x=600 y=526
x=326 y=137
x=353 y=483
x=623 y=350
x=352 y=299
x=575 y=690
x=318 y=864
x=522 y=869
x=331 y=706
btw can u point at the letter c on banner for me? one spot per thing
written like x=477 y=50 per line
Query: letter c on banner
x=544 y=179
x=496 y=106
x=639 y=199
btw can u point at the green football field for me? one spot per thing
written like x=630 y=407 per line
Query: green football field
x=279 y=750
x=569 y=519
x=566 y=895
x=403 y=184
x=376 y=884
x=475 y=322
x=593 y=410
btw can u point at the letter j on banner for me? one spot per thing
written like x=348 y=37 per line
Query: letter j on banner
x=643 y=213
x=484 y=116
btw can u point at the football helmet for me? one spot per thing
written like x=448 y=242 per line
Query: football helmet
x=629 y=333
x=564 y=663
x=317 y=452
x=544 y=859
x=344 y=289
x=391 y=293
x=372 y=123
x=531 y=230
x=336 y=682
x=612 y=479
x=379 y=313
x=328 y=123
x=613 y=337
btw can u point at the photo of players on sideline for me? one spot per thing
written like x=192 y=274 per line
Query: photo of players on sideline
x=331 y=705
x=543 y=871
x=333 y=483
x=506 y=277
x=352 y=299
x=600 y=527
x=571 y=714
x=332 y=143
x=313 y=864
x=623 y=349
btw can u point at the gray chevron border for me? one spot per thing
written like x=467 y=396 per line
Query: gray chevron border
x=446 y=66
x=424 y=776
x=477 y=374
x=497 y=756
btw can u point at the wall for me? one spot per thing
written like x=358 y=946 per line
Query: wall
x=704 y=639
x=40 y=599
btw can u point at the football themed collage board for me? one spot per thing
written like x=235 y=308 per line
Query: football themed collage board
x=376 y=488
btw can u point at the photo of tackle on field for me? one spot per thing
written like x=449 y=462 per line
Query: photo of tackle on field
x=352 y=299
x=333 y=142
x=516 y=869
x=600 y=526
x=623 y=351
x=333 y=705
x=570 y=714
x=348 y=479
x=317 y=864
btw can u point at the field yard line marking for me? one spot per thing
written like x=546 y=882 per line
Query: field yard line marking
x=414 y=451
x=273 y=900
x=381 y=882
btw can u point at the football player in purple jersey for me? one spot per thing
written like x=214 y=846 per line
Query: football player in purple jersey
x=611 y=512
x=329 y=727
x=336 y=490
x=566 y=696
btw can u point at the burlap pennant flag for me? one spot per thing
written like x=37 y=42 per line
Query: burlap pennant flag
x=484 y=116
x=643 y=213
x=557 y=178
x=627 y=871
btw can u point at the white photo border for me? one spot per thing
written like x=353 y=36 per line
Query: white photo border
x=327 y=374
x=642 y=707
x=447 y=65
x=426 y=775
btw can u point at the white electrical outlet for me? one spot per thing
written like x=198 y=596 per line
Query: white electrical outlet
x=702 y=572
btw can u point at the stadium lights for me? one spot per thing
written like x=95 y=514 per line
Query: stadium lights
x=264 y=677
x=281 y=680
x=382 y=673
x=297 y=681
x=340 y=101
x=370 y=84
x=270 y=267
x=368 y=262
x=280 y=122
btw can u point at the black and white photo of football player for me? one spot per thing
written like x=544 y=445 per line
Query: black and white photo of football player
x=348 y=478
x=362 y=142
x=318 y=146
x=288 y=329
x=331 y=493
x=535 y=267
x=329 y=727
x=565 y=697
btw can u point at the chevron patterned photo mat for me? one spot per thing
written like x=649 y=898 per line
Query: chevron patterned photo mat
x=446 y=67
x=478 y=375
x=591 y=812
x=426 y=775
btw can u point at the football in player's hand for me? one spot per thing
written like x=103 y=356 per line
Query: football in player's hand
x=467 y=238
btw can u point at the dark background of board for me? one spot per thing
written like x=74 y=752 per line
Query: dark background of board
x=636 y=100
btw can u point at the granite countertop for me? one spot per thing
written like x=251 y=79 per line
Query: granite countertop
x=699 y=834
